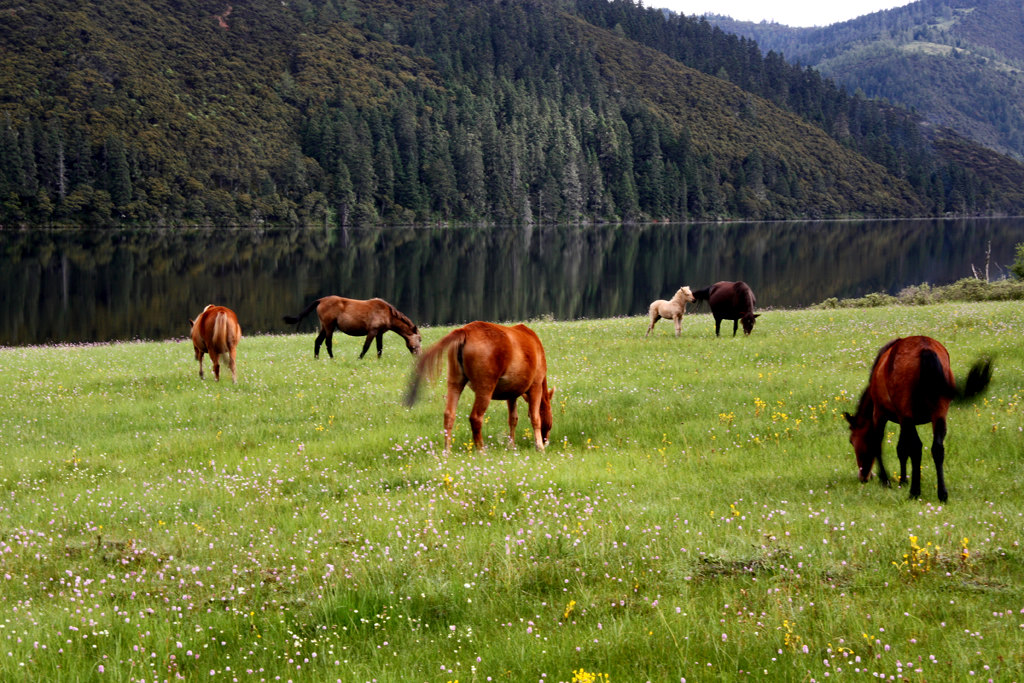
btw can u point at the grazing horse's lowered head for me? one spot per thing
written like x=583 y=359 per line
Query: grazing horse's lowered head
x=910 y=384
x=216 y=331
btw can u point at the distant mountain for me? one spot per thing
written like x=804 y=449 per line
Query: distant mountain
x=957 y=63
x=396 y=111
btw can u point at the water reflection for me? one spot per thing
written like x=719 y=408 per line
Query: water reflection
x=82 y=286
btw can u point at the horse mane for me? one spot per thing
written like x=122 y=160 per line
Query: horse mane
x=748 y=294
x=403 y=318
x=679 y=298
x=864 y=405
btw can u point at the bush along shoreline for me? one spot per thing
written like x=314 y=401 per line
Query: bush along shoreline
x=966 y=289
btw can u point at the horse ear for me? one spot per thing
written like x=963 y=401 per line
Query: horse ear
x=191 y=323
x=849 y=418
x=757 y=315
x=551 y=392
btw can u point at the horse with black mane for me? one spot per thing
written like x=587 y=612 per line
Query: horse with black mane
x=497 y=362
x=910 y=384
x=730 y=301
x=357 y=317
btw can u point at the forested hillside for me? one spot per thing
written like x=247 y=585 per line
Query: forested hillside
x=958 y=63
x=400 y=111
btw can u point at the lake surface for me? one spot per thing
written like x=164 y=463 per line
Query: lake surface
x=75 y=286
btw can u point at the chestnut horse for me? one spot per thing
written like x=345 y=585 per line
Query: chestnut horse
x=674 y=308
x=216 y=331
x=356 y=317
x=911 y=384
x=497 y=362
x=730 y=301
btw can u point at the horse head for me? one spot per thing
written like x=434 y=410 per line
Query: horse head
x=748 y=320
x=682 y=297
x=412 y=342
x=859 y=427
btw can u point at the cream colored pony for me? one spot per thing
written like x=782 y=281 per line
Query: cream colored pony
x=673 y=308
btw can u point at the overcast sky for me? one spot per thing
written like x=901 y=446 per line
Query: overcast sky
x=788 y=12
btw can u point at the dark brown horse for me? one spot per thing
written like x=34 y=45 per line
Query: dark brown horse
x=356 y=317
x=911 y=384
x=497 y=362
x=216 y=331
x=730 y=301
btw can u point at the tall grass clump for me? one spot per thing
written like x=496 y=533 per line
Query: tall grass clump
x=696 y=514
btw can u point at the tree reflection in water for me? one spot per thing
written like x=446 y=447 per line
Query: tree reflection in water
x=71 y=286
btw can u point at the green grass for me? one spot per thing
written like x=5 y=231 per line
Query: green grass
x=696 y=515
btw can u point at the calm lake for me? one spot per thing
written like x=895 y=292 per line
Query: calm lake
x=74 y=286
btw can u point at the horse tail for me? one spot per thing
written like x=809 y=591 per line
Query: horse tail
x=700 y=296
x=294 y=319
x=977 y=380
x=223 y=335
x=932 y=380
x=429 y=363
x=935 y=382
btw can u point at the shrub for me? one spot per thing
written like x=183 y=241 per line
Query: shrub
x=916 y=295
x=1018 y=265
x=966 y=289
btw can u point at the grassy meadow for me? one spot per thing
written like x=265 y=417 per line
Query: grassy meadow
x=697 y=515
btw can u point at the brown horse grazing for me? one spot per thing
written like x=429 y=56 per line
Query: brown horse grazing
x=674 y=308
x=497 y=362
x=216 y=331
x=730 y=301
x=356 y=317
x=911 y=384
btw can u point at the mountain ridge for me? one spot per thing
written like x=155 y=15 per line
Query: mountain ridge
x=387 y=111
x=958 y=64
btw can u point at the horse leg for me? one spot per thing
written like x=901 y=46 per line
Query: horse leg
x=874 y=445
x=678 y=320
x=231 y=363
x=366 y=344
x=380 y=344
x=533 y=399
x=450 y=403
x=909 y=446
x=718 y=326
x=476 y=415
x=215 y=359
x=319 y=340
x=654 y=319
x=200 y=357
x=329 y=343
x=735 y=326
x=939 y=455
x=513 y=420
x=905 y=449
